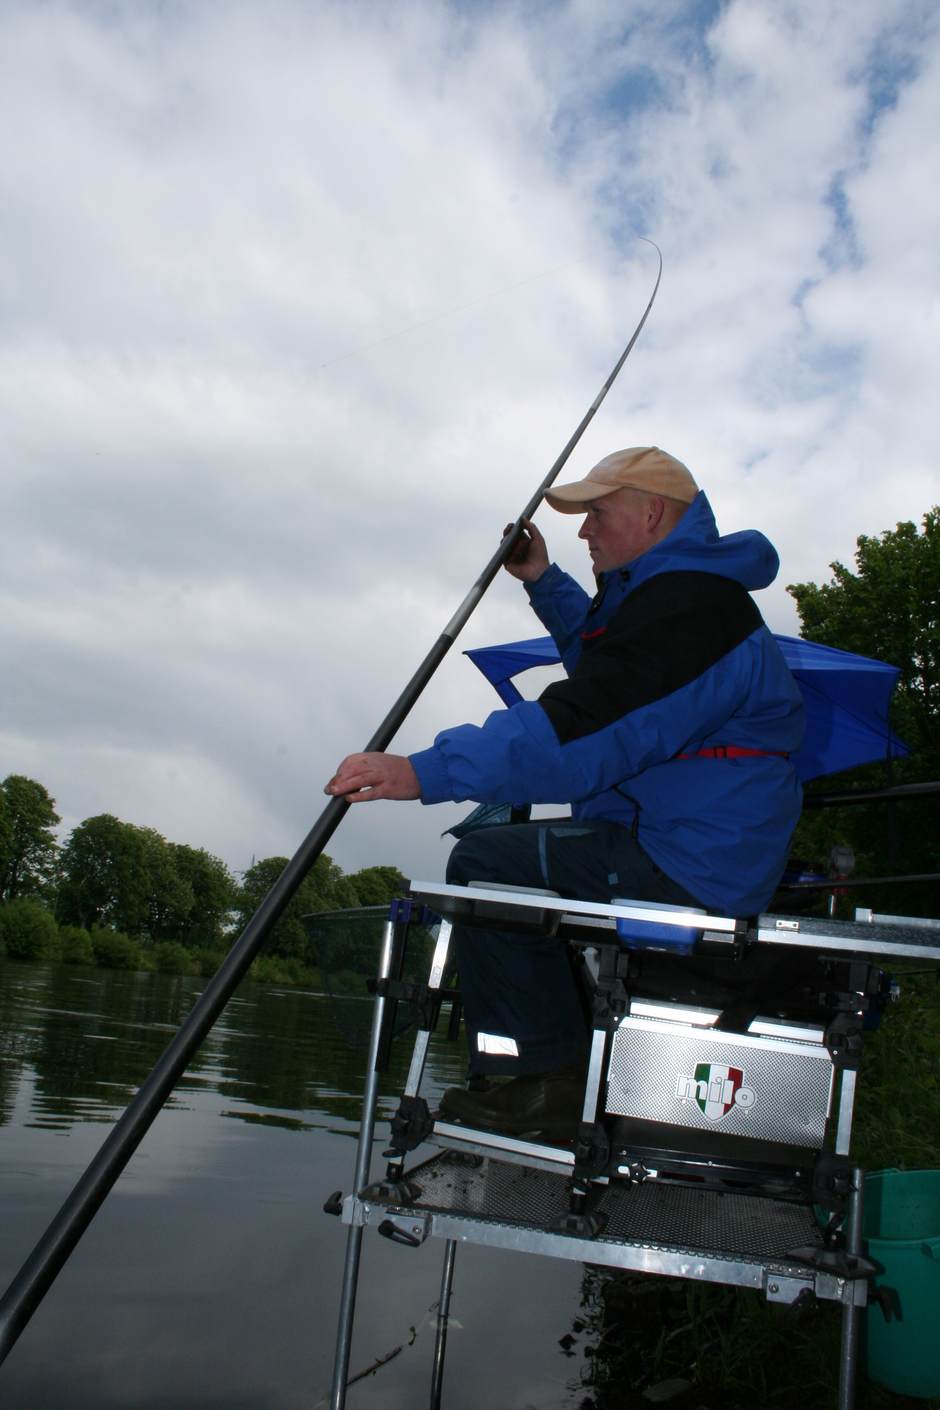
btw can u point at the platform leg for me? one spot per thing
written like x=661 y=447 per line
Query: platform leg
x=360 y=1179
x=412 y=1121
x=443 y=1313
x=851 y=1313
x=423 y=1037
x=592 y=1085
x=347 y=1309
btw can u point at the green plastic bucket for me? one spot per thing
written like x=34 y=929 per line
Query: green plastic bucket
x=902 y=1234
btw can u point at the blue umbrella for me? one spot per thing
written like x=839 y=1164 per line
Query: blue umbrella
x=846 y=698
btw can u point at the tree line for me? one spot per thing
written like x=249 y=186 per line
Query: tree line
x=116 y=893
x=887 y=608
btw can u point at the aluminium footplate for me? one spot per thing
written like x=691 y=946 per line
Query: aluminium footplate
x=655 y=1227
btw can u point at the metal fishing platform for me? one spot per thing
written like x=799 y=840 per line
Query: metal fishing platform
x=654 y=1227
x=714 y=1140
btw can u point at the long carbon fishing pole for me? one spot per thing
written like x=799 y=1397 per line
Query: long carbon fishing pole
x=37 y=1274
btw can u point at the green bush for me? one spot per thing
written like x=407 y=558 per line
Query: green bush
x=28 y=930
x=206 y=962
x=281 y=969
x=348 y=981
x=75 y=945
x=898 y=1123
x=171 y=957
x=115 y=950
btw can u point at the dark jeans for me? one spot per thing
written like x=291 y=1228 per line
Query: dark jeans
x=522 y=986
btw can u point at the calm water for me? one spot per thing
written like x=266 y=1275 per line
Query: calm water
x=210 y=1277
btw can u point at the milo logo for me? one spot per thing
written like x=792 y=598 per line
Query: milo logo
x=715 y=1088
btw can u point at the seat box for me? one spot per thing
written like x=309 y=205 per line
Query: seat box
x=671 y=1064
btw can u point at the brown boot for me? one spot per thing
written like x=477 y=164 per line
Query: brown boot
x=546 y=1103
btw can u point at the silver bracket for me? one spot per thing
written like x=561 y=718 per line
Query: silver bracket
x=785 y=1290
x=853 y=1291
x=354 y=1212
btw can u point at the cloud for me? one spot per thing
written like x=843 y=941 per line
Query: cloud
x=299 y=303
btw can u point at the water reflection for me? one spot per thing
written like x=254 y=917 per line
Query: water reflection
x=76 y=1049
x=210 y=1277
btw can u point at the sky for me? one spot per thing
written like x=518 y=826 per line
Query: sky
x=300 y=301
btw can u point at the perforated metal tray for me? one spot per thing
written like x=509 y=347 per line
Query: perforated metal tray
x=655 y=1227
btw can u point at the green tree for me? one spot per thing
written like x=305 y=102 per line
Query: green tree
x=288 y=937
x=105 y=880
x=130 y=878
x=332 y=886
x=169 y=895
x=28 y=848
x=28 y=930
x=6 y=838
x=119 y=876
x=213 y=891
x=348 y=946
x=376 y=886
x=888 y=608
x=325 y=888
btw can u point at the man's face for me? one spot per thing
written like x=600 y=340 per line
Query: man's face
x=617 y=528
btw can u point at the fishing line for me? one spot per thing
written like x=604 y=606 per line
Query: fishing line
x=429 y=1317
x=437 y=317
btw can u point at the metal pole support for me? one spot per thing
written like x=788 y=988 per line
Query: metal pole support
x=360 y=1179
x=851 y=1312
x=443 y=1314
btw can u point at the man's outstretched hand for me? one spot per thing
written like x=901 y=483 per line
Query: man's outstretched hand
x=362 y=777
x=529 y=558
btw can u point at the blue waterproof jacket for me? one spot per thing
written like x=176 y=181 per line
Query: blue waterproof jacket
x=669 y=659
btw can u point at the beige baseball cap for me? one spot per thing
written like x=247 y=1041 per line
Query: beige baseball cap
x=640 y=468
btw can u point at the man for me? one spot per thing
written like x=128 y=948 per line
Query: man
x=669 y=737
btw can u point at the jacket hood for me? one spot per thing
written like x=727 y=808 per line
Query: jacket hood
x=695 y=545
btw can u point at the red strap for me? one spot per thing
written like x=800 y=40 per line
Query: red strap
x=734 y=751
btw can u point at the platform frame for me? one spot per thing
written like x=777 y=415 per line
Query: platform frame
x=444 y=1197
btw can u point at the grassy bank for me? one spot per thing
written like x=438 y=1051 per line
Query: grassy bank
x=29 y=932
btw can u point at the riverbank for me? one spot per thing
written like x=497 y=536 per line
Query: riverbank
x=29 y=933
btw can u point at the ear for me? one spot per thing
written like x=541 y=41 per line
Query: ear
x=655 y=510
